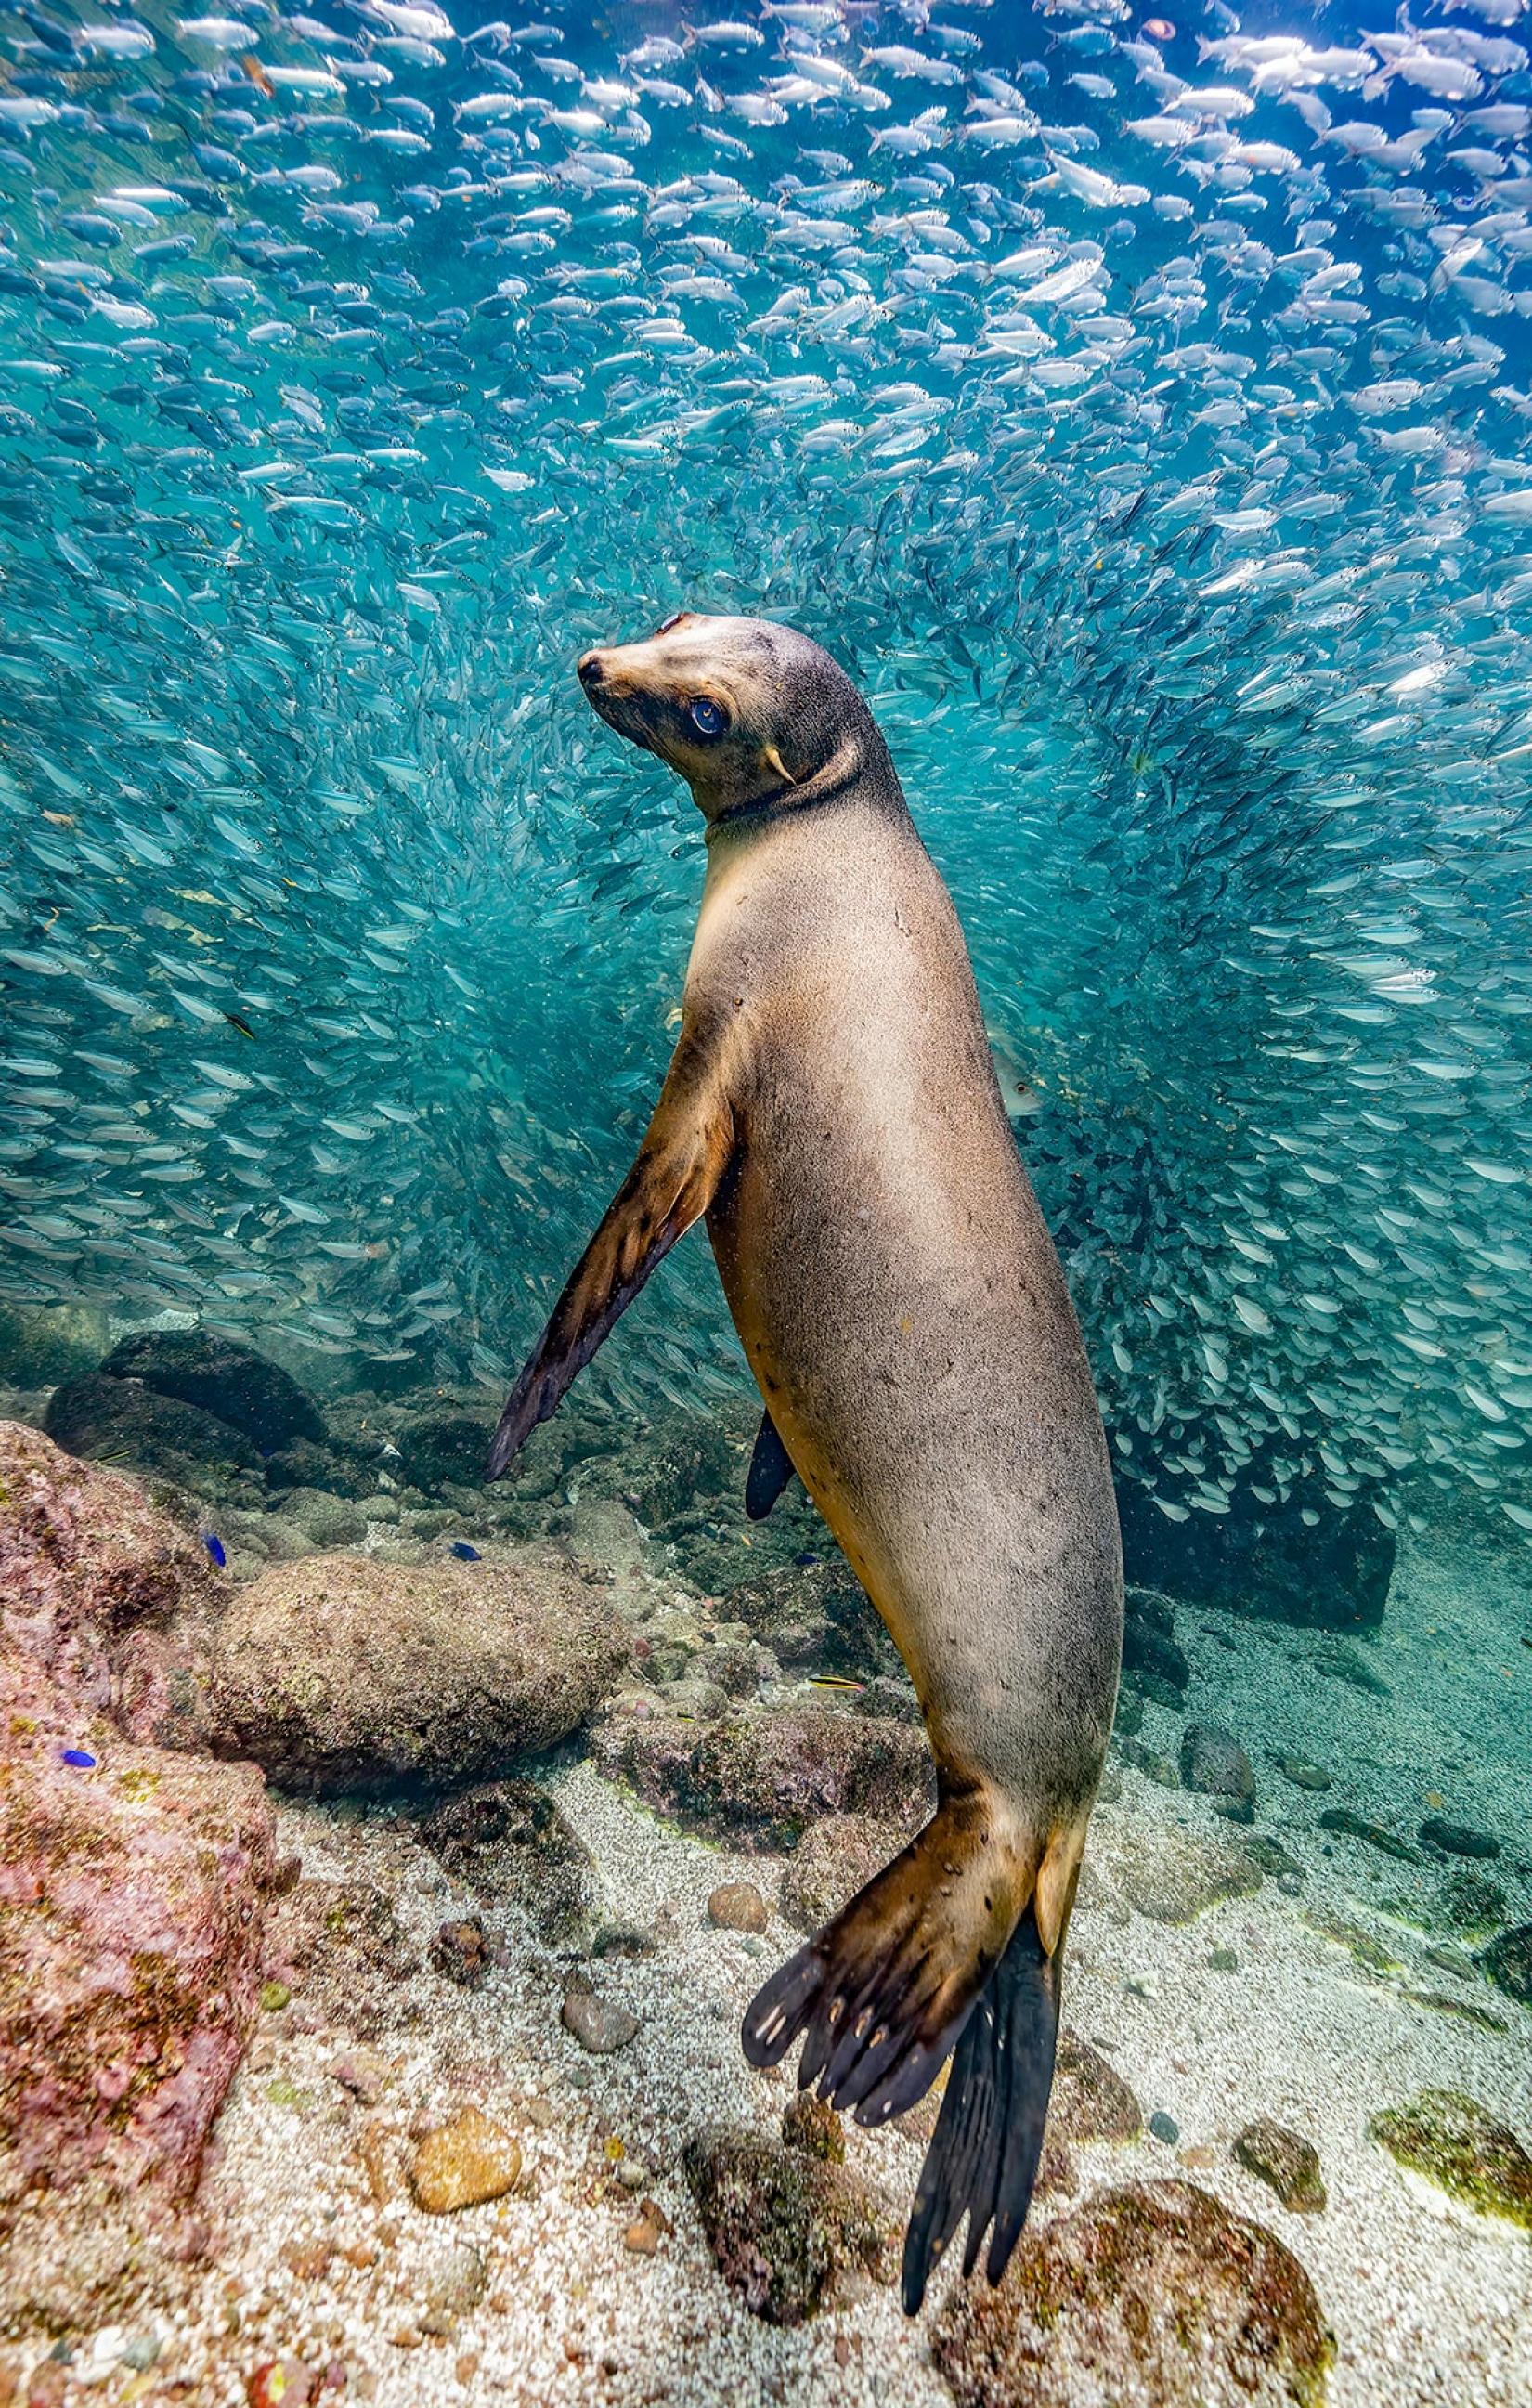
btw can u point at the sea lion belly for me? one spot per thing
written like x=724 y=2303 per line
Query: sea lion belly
x=903 y=1311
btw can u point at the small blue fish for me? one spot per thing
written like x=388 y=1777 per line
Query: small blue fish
x=77 y=1756
x=215 y=1548
x=464 y=1553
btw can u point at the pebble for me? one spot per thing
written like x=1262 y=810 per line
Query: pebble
x=280 y=2382
x=599 y=2025
x=1356 y=1826
x=1164 y=2128
x=463 y=2162
x=1285 y=2161
x=462 y=1952
x=1458 y=1839
x=738 y=1906
x=1301 y=1774
x=363 y=2072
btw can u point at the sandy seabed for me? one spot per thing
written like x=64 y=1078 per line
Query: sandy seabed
x=1430 y=2304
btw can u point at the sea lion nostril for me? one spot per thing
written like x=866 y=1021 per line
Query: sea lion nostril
x=588 y=668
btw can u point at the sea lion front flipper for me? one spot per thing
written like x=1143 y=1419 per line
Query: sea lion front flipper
x=673 y=1181
x=770 y=1470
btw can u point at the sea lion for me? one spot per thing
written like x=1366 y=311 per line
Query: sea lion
x=832 y=1112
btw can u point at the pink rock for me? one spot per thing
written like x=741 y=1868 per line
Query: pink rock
x=92 y=1580
x=130 y=1909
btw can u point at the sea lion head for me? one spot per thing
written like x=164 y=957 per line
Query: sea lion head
x=750 y=713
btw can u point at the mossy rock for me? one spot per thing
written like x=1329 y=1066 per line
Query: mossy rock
x=783 y=2224
x=1154 y=2294
x=1461 y=2148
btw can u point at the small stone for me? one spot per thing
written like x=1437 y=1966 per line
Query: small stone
x=1164 y=2128
x=1373 y=1835
x=813 y=2124
x=1507 y=1961
x=1459 y=2145
x=642 y=2237
x=781 y=2224
x=738 y=1906
x=364 y=2073
x=1213 y=1763
x=1153 y=2294
x=280 y=2382
x=463 y=2162
x=308 y=2260
x=1285 y=2161
x=599 y=2025
x=273 y=1996
x=450 y=2287
x=1091 y=2101
x=462 y=1952
x=1458 y=1839
x=1301 y=1774
x=1222 y=1961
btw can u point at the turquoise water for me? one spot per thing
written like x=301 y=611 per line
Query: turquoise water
x=1140 y=416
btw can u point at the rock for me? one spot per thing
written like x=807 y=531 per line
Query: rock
x=450 y=2286
x=816 y=1615
x=338 y=1468
x=327 y=1521
x=1213 y=1763
x=738 y=1906
x=220 y=1376
x=132 y=1894
x=763 y=1777
x=1164 y=2128
x=343 y=1673
x=1507 y=1961
x=463 y=2162
x=1346 y=1663
x=280 y=2383
x=670 y=1472
x=643 y=2236
x=599 y=2025
x=103 y=1590
x=813 y=2124
x=1285 y=2161
x=835 y=1858
x=1461 y=2148
x=462 y=1952
x=1153 y=2296
x=1301 y=1774
x=508 y=1841
x=782 y=2225
x=445 y=1446
x=1458 y=1839
x=1149 y=1644
x=1168 y=1874
x=1091 y=2101
x=94 y=1416
x=364 y=2073
x=41 y=1344
x=1331 y=1570
x=338 y=1942
x=1374 y=1835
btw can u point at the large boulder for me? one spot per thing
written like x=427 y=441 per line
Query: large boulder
x=221 y=1377
x=1302 y=1560
x=131 y=1887
x=1153 y=2296
x=43 y=1343
x=96 y=1415
x=761 y=1779
x=102 y=1588
x=344 y=1674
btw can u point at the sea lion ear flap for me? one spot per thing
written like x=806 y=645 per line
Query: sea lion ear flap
x=777 y=767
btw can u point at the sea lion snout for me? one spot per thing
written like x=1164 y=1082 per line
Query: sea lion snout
x=591 y=670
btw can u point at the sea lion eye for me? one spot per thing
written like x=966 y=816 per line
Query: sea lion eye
x=707 y=717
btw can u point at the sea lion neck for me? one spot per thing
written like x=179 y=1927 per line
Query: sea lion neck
x=859 y=771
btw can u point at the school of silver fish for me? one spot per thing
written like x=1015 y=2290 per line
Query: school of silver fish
x=1140 y=408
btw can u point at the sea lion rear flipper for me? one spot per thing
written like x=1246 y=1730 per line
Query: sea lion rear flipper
x=770 y=1470
x=673 y=1181
x=947 y=1947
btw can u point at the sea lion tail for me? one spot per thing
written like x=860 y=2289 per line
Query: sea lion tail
x=951 y=1946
